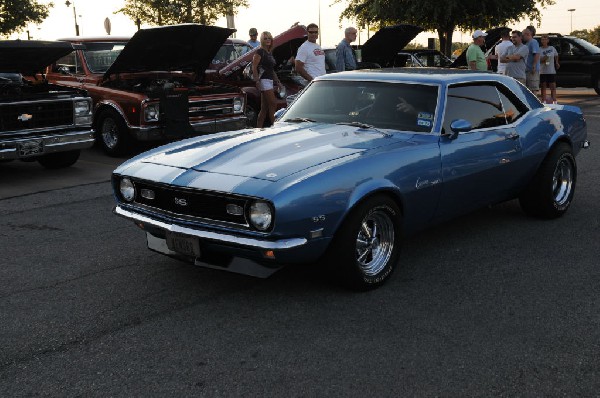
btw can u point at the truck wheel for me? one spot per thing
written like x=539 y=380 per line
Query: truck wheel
x=365 y=250
x=597 y=86
x=551 y=191
x=112 y=133
x=59 y=160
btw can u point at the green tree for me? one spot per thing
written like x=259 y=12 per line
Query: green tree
x=443 y=16
x=15 y=15
x=169 y=12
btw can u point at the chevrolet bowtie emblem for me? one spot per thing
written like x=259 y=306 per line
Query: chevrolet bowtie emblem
x=25 y=117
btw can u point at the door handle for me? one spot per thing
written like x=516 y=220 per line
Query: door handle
x=512 y=136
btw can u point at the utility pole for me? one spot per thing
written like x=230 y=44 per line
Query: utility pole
x=68 y=3
x=571 y=11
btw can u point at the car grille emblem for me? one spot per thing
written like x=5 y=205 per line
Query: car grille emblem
x=181 y=202
x=25 y=117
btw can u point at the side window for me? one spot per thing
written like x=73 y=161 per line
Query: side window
x=478 y=104
x=68 y=65
x=513 y=108
x=556 y=44
x=566 y=48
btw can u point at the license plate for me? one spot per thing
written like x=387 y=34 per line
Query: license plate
x=184 y=244
x=31 y=148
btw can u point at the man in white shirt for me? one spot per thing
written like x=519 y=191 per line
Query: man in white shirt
x=501 y=49
x=310 y=59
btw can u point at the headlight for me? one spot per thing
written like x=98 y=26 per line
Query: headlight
x=152 y=112
x=261 y=215
x=82 y=108
x=127 y=189
x=238 y=105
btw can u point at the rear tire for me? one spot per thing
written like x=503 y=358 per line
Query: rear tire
x=365 y=250
x=59 y=160
x=551 y=191
x=112 y=133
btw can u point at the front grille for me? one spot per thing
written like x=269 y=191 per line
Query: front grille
x=189 y=203
x=35 y=115
x=211 y=108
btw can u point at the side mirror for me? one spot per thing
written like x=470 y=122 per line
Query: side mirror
x=64 y=70
x=459 y=126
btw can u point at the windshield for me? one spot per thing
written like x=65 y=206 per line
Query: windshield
x=397 y=106
x=229 y=52
x=100 y=56
x=587 y=45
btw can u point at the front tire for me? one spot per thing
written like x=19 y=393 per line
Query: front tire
x=551 y=191
x=365 y=250
x=112 y=133
x=597 y=86
x=59 y=160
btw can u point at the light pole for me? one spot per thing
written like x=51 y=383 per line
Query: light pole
x=571 y=11
x=68 y=3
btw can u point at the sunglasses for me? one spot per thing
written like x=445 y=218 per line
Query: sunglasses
x=313 y=32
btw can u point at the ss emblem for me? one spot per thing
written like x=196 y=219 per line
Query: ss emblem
x=181 y=202
x=318 y=218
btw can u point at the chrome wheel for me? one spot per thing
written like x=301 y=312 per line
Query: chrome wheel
x=109 y=132
x=375 y=242
x=562 y=181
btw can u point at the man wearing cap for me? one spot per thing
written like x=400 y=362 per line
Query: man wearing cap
x=253 y=35
x=475 y=56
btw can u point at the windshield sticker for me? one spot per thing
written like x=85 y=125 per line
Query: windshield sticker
x=423 y=122
x=425 y=115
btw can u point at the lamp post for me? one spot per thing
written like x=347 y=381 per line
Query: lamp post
x=571 y=11
x=68 y=3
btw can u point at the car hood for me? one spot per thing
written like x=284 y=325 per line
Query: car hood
x=274 y=153
x=387 y=42
x=31 y=56
x=285 y=45
x=186 y=47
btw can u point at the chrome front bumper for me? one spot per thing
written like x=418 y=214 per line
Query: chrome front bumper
x=9 y=148
x=147 y=223
x=200 y=128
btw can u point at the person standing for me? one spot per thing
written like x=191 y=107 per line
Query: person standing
x=548 y=66
x=533 y=60
x=501 y=48
x=344 y=55
x=310 y=58
x=263 y=73
x=253 y=33
x=475 y=56
x=515 y=57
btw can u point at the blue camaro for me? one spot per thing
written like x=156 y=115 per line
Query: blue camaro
x=357 y=161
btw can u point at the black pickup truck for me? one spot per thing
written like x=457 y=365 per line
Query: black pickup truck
x=40 y=121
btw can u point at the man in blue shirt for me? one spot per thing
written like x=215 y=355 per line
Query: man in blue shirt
x=253 y=33
x=344 y=55
x=533 y=60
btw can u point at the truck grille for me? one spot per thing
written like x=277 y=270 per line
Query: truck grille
x=189 y=203
x=211 y=108
x=35 y=115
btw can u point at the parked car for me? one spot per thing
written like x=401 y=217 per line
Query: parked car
x=40 y=121
x=359 y=160
x=239 y=71
x=151 y=87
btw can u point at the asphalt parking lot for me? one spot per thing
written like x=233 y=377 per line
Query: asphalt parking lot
x=493 y=303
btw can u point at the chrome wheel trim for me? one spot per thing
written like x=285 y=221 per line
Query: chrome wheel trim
x=375 y=243
x=109 y=133
x=562 y=181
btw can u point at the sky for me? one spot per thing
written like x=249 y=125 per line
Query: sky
x=277 y=16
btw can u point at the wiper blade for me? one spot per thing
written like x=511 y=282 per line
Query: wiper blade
x=298 y=120
x=364 y=126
